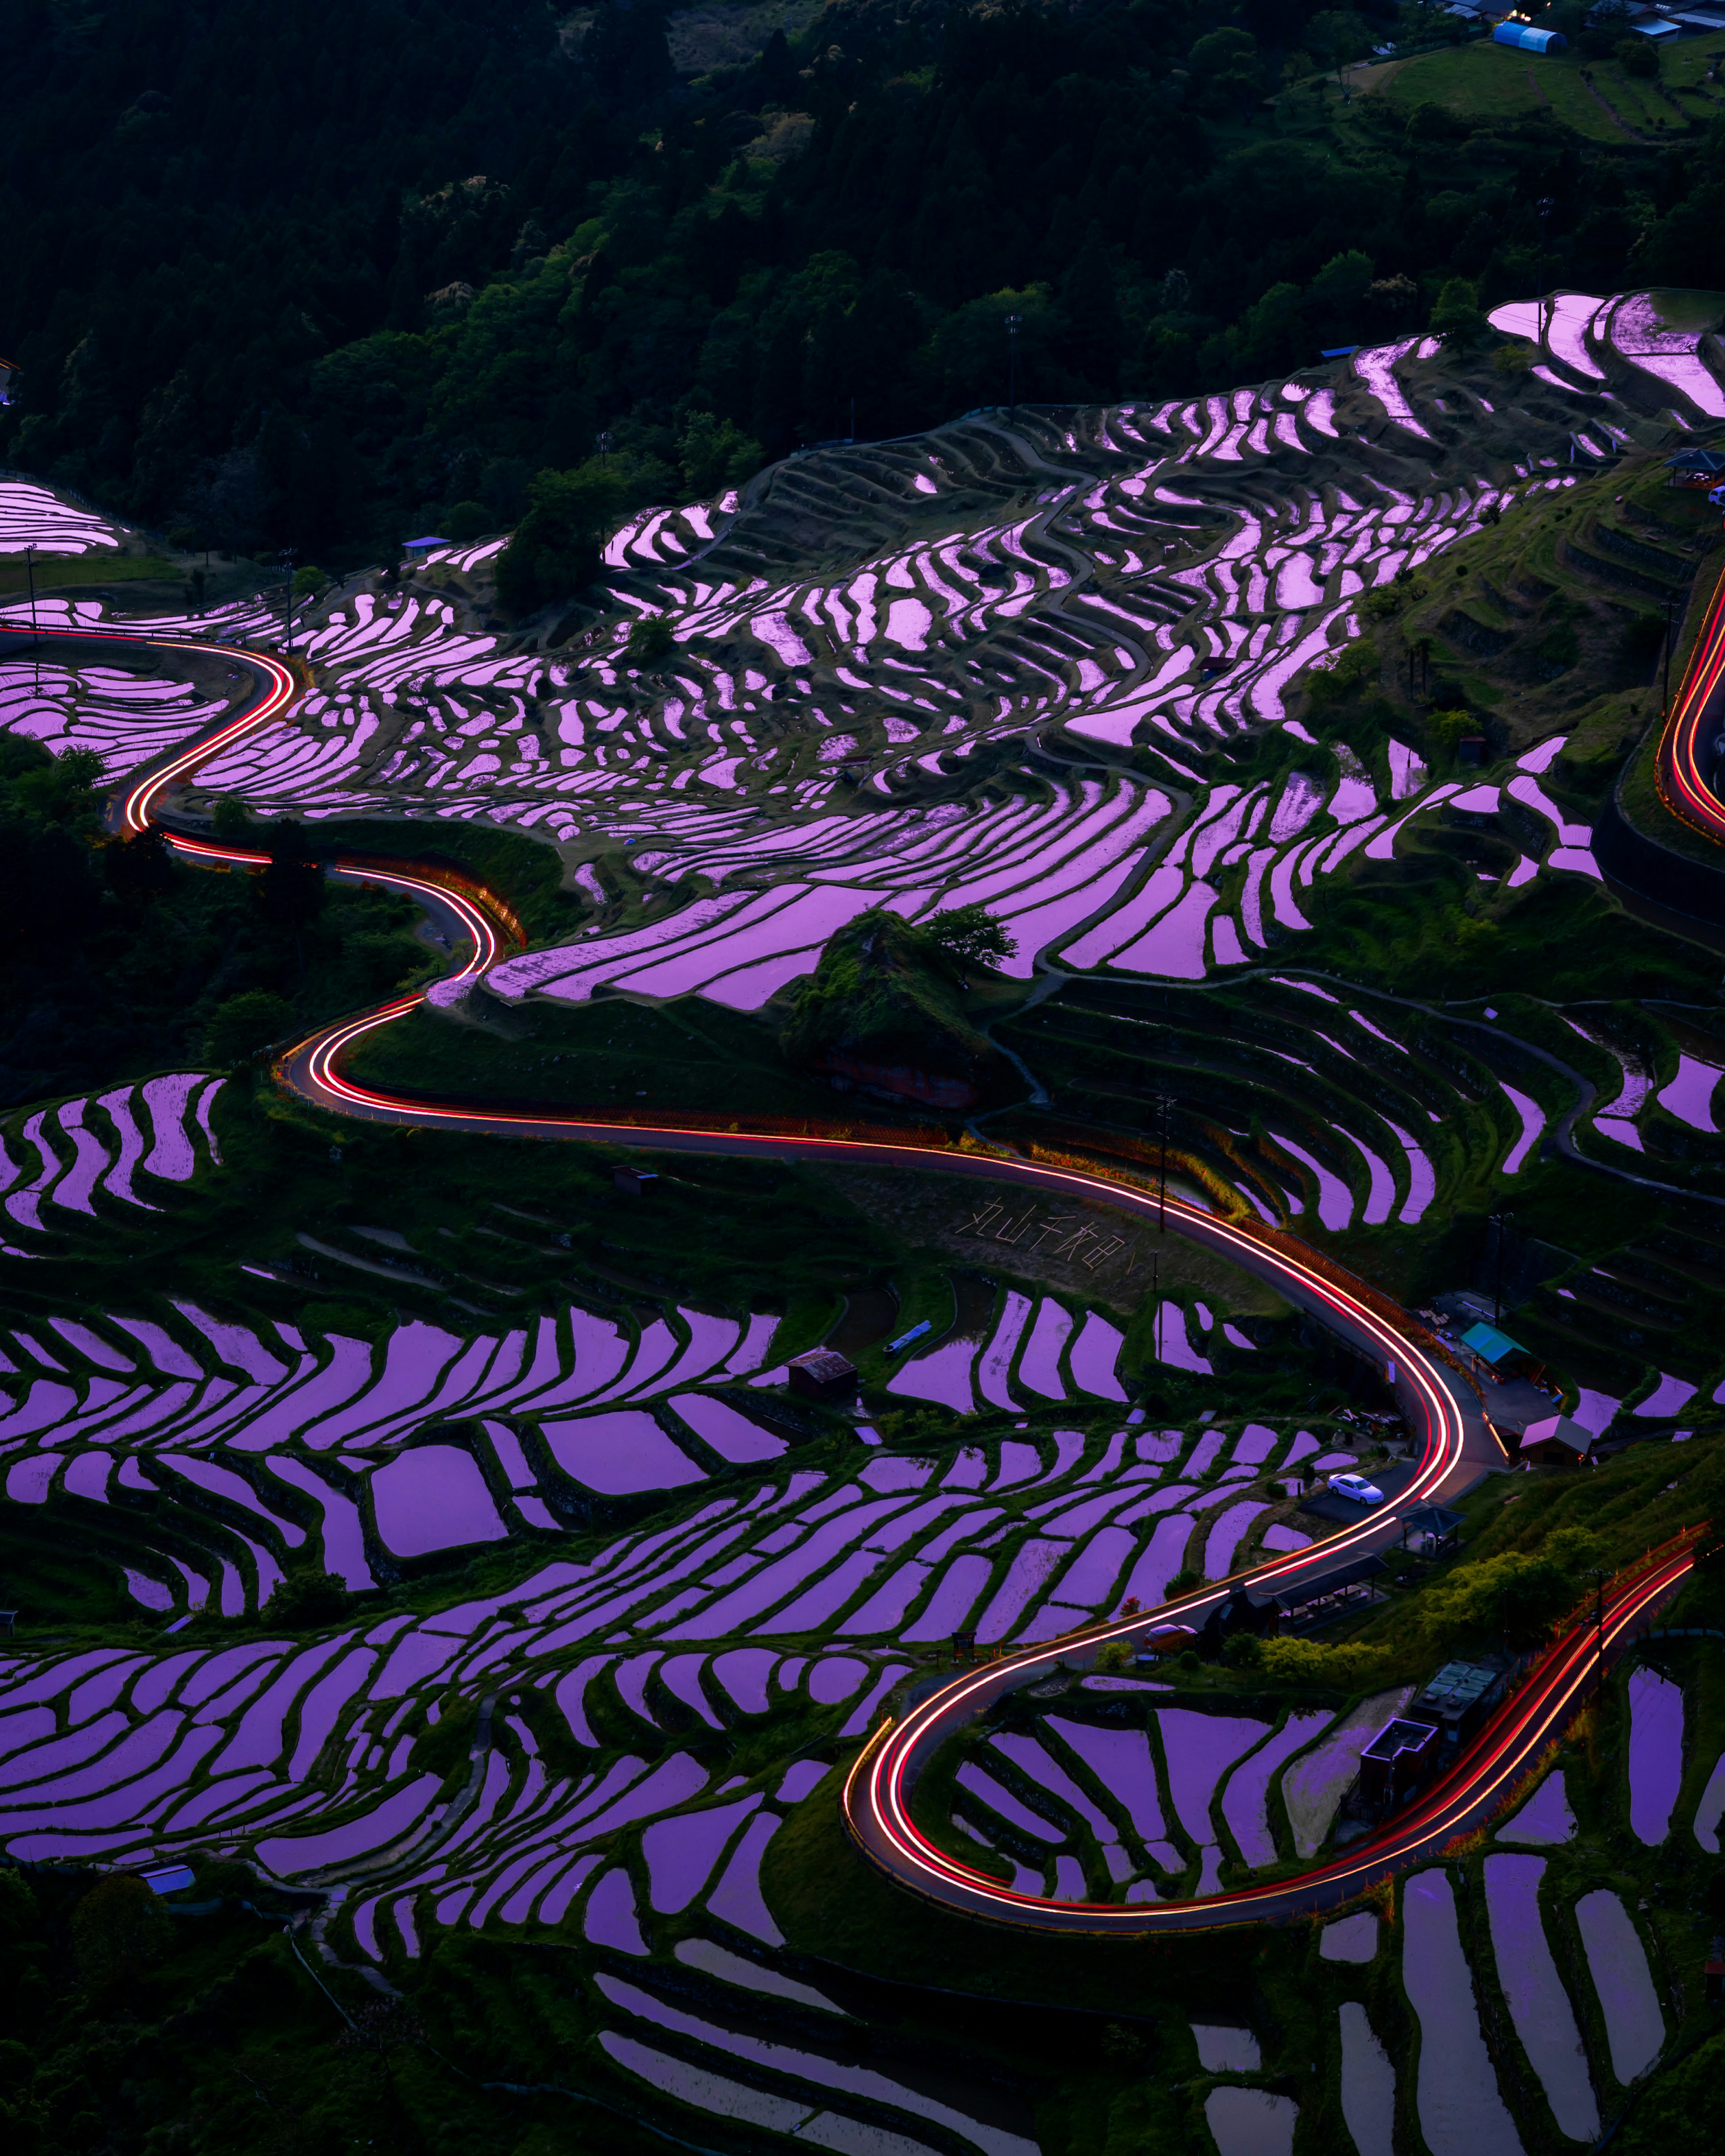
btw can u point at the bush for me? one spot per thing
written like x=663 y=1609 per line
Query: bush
x=466 y=521
x=238 y=1027
x=967 y=935
x=1456 y=316
x=716 y=454
x=119 y=1931
x=1638 y=56
x=650 y=641
x=1185 y=1581
x=306 y=1599
x=1245 y=1650
x=1114 y=1659
x=1514 y=359
x=556 y=549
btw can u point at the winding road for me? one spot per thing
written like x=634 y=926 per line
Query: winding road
x=1691 y=742
x=1457 y=1445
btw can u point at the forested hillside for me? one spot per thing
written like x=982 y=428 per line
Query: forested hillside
x=365 y=269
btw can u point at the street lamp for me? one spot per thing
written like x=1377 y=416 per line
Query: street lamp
x=1015 y=323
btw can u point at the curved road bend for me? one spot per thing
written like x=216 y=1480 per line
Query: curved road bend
x=1690 y=744
x=1456 y=1442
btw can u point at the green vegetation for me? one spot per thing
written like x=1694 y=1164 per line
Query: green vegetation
x=885 y=1008
x=447 y=302
x=117 y=961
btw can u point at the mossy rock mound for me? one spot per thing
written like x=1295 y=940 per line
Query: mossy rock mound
x=884 y=1012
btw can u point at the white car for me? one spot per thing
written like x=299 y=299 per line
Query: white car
x=1356 y=1487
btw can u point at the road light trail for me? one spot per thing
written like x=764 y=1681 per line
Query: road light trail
x=1692 y=730
x=1457 y=1442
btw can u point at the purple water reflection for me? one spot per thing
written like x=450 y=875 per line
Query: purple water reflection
x=431 y=1499
x=717 y=2093
x=732 y=1435
x=1000 y=1799
x=1227 y=1532
x=1039 y=1365
x=743 y=1673
x=737 y=1898
x=963 y=1579
x=1122 y=1762
x=886 y=1476
x=1538 y=2004
x=610 y=1919
x=800 y=1778
x=291 y=1856
x=943 y=1376
x=343 y=1544
x=1545 y=1817
x=1087 y=1581
x=1617 y=1962
x=1461 y=2112
x=996 y=1359
x=1355 y=1938
x=681 y=1851
x=1251 y=2122
x=1093 y=1357
x=619 y=1452
x=835 y=1677
x=1655 y=1754
x=1245 y=1801
x=1368 y=2083
x=1198 y=1748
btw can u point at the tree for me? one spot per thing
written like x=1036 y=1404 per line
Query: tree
x=1336 y=296
x=1096 y=338
x=1227 y=65
x=1456 y=316
x=119 y=1931
x=291 y=889
x=1342 y=38
x=556 y=548
x=650 y=641
x=716 y=454
x=303 y=1600
x=238 y=1027
x=967 y=935
x=140 y=868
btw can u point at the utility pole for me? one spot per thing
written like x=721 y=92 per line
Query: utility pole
x=1501 y=1220
x=1164 y=1102
x=1545 y=205
x=1671 y=637
x=1597 y=1574
x=1015 y=323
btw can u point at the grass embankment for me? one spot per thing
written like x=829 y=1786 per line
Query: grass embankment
x=1597 y=100
x=609 y=1055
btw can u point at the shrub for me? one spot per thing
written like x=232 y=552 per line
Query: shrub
x=1114 y=1659
x=1243 y=1651
x=245 y=1023
x=1184 y=1582
x=466 y=521
x=1638 y=56
x=651 y=640
x=119 y=1931
x=1514 y=359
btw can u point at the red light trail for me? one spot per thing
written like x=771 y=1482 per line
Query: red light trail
x=1457 y=1442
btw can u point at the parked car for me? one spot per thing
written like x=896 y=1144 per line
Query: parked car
x=1356 y=1487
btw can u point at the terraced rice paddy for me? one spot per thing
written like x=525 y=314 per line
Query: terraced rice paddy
x=612 y=1608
